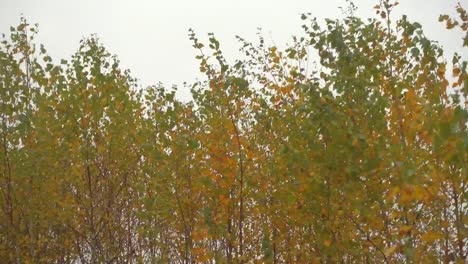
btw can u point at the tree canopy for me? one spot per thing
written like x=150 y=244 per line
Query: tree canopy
x=350 y=145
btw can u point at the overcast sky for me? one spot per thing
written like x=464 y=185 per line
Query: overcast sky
x=150 y=36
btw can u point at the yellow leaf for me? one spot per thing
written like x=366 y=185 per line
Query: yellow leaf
x=431 y=236
x=404 y=230
x=410 y=95
x=394 y=215
x=323 y=100
x=389 y=251
x=441 y=70
x=286 y=89
x=421 y=194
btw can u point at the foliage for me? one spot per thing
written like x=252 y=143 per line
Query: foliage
x=350 y=146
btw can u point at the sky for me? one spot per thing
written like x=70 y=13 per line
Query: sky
x=151 y=37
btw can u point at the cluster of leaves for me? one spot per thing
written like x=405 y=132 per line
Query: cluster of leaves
x=360 y=157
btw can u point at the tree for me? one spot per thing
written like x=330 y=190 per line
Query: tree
x=349 y=145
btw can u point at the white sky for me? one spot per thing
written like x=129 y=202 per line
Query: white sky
x=150 y=37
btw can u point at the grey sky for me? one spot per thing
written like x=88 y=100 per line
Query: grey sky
x=150 y=37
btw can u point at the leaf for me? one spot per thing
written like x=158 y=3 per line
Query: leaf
x=443 y=18
x=389 y=251
x=415 y=52
x=405 y=230
x=431 y=236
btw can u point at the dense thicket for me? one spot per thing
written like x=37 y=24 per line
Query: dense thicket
x=349 y=146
